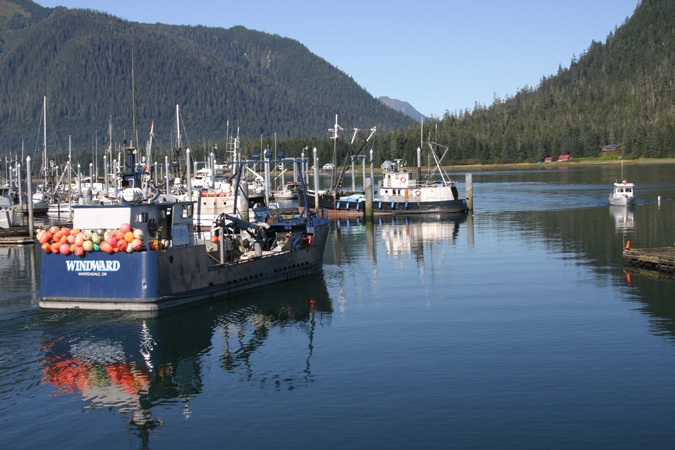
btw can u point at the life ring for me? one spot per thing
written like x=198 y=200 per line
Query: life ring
x=402 y=179
x=152 y=226
x=418 y=192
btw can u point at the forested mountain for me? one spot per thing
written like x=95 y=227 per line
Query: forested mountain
x=618 y=92
x=82 y=62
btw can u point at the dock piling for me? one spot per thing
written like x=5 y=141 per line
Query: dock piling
x=469 y=191
x=368 y=190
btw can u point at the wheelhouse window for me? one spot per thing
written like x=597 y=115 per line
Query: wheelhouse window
x=186 y=211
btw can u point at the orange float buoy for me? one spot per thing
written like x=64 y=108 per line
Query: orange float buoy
x=45 y=237
x=628 y=245
x=129 y=236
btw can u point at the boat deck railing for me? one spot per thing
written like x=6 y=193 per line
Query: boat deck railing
x=415 y=184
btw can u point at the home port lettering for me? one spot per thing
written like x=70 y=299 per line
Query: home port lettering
x=93 y=268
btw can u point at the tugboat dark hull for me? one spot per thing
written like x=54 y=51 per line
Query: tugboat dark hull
x=412 y=207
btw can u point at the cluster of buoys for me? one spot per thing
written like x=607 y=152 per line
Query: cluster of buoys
x=216 y=193
x=66 y=241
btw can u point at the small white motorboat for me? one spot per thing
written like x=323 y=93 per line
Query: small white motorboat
x=623 y=194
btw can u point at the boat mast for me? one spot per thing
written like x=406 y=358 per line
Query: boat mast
x=422 y=133
x=148 y=151
x=110 y=160
x=179 y=145
x=133 y=98
x=336 y=129
x=44 y=138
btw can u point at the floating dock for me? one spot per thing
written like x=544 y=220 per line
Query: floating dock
x=661 y=259
x=15 y=236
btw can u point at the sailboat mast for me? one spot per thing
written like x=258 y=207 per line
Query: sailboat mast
x=110 y=160
x=44 y=137
x=178 y=143
x=335 y=131
x=422 y=133
x=133 y=99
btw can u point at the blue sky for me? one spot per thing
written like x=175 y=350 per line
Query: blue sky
x=437 y=55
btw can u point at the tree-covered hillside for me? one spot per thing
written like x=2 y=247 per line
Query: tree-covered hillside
x=617 y=92
x=82 y=61
x=279 y=94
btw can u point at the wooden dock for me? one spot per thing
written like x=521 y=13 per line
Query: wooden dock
x=15 y=236
x=661 y=259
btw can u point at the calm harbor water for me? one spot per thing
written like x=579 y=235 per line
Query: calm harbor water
x=516 y=326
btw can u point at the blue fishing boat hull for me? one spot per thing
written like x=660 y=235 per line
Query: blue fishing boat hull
x=152 y=280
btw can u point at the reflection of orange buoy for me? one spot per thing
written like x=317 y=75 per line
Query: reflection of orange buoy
x=628 y=245
x=628 y=277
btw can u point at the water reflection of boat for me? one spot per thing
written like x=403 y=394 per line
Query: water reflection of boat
x=133 y=363
x=624 y=218
x=402 y=236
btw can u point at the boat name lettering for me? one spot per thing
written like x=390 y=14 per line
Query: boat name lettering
x=93 y=266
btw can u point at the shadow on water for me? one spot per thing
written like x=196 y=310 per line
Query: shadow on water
x=131 y=363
